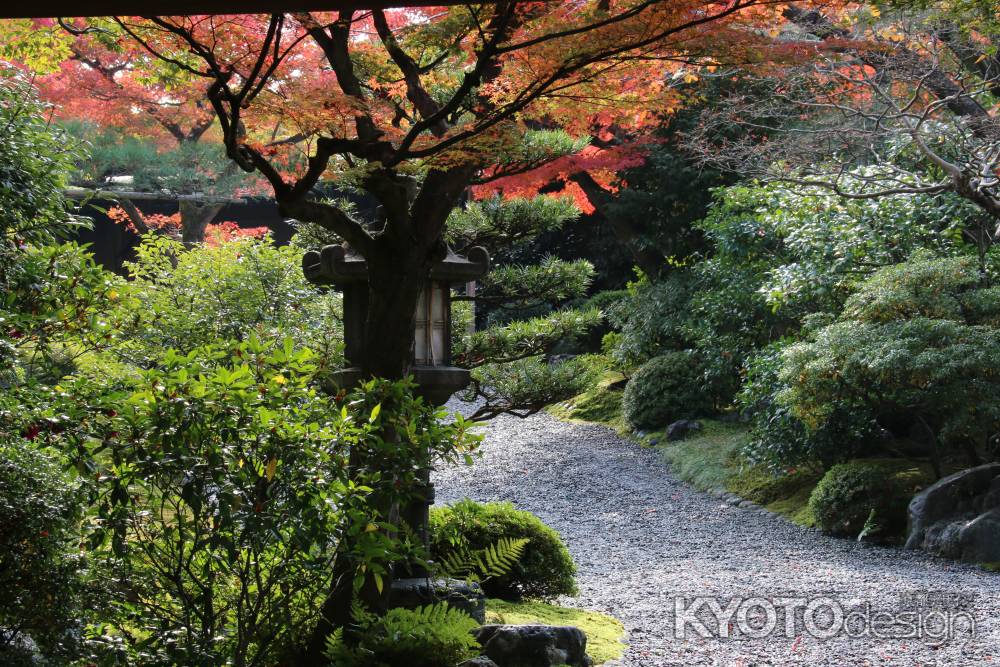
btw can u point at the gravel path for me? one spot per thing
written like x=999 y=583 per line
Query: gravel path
x=643 y=540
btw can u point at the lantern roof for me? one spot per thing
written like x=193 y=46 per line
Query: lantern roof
x=339 y=264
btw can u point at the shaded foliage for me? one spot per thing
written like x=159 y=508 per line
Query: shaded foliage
x=664 y=389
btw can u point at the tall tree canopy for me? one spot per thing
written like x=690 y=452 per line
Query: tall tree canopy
x=110 y=80
x=414 y=105
x=142 y=117
x=897 y=100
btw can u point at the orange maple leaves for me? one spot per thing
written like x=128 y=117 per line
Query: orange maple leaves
x=171 y=226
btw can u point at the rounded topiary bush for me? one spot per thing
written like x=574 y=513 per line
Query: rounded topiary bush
x=860 y=497
x=665 y=389
x=545 y=570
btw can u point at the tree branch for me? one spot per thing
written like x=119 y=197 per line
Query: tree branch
x=331 y=218
x=415 y=92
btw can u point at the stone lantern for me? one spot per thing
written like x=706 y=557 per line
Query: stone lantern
x=431 y=369
x=430 y=361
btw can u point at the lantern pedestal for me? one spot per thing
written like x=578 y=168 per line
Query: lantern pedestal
x=430 y=366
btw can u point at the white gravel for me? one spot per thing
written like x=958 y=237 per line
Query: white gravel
x=642 y=539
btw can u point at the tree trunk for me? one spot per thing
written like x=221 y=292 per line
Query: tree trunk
x=195 y=218
x=399 y=262
x=935 y=447
x=648 y=258
x=394 y=287
x=135 y=215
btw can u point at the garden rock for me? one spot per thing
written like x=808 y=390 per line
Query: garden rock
x=682 y=429
x=418 y=592
x=557 y=359
x=534 y=645
x=480 y=661
x=959 y=516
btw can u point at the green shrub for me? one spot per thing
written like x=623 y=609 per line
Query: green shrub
x=36 y=161
x=665 y=389
x=651 y=319
x=55 y=296
x=861 y=495
x=431 y=636
x=779 y=439
x=810 y=247
x=182 y=298
x=545 y=570
x=923 y=286
x=223 y=485
x=910 y=353
x=40 y=566
x=605 y=300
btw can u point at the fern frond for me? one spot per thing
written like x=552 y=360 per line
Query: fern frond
x=360 y=615
x=496 y=560
x=458 y=563
x=499 y=559
x=334 y=643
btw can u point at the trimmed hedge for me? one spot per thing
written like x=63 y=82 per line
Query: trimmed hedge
x=665 y=389
x=546 y=569
x=864 y=496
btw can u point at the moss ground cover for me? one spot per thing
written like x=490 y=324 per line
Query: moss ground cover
x=604 y=633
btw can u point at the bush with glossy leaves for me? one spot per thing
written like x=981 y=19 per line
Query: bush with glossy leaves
x=221 y=476
x=36 y=160
x=41 y=568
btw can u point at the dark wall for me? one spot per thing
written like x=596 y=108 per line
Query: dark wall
x=112 y=244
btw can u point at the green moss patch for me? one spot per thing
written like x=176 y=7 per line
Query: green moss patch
x=601 y=404
x=604 y=633
x=706 y=459
x=795 y=507
x=763 y=487
x=710 y=460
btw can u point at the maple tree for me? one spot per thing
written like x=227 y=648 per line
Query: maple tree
x=436 y=97
x=137 y=115
x=643 y=184
x=651 y=220
x=111 y=81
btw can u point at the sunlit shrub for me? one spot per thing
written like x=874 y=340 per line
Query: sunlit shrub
x=545 y=570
